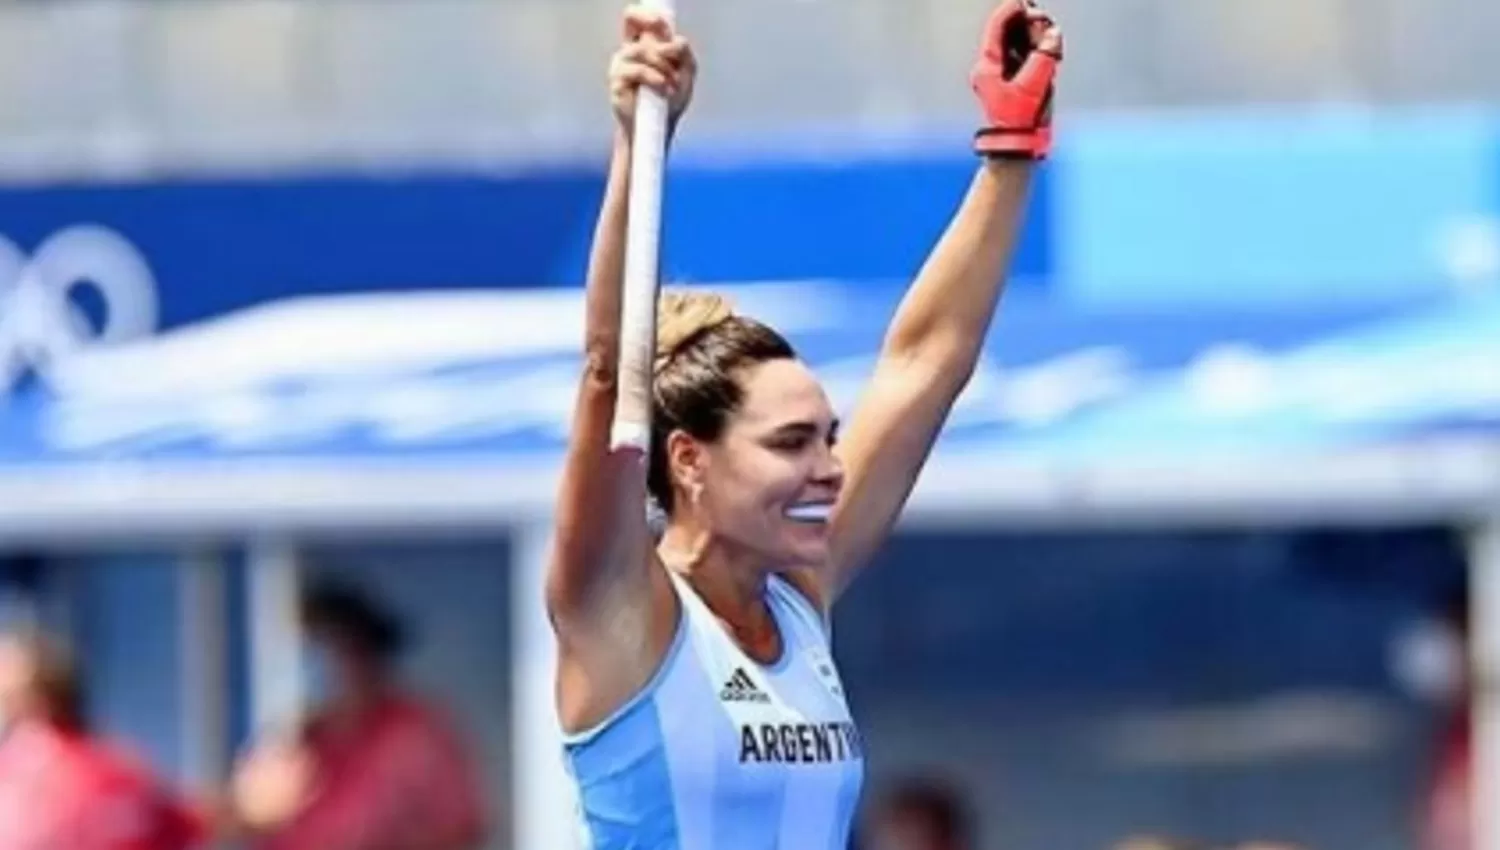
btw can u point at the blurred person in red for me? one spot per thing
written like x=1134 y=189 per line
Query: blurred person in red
x=374 y=767
x=922 y=814
x=62 y=788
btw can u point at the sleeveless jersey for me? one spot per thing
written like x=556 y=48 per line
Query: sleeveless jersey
x=719 y=752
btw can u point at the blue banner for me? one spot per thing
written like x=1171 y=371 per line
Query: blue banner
x=1265 y=205
x=218 y=245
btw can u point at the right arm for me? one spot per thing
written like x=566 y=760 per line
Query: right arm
x=601 y=523
x=602 y=546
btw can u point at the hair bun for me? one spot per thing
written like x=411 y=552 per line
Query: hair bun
x=682 y=316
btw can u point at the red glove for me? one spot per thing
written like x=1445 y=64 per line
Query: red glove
x=1013 y=79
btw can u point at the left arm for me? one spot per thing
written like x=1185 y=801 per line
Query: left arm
x=930 y=350
x=934 y=340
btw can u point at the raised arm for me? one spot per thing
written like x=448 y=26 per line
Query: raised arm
x=934 y=340
x=601 y=538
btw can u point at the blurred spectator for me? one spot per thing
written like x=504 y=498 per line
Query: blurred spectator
x=388 y=770
x=1446 y=822
x=60 y=786
x=922 y=814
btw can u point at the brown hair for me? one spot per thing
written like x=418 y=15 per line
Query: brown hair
x=939 y=806
x=701 y=345
x=56 y=679
x=332 y=606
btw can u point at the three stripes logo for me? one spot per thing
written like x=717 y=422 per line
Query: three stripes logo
x=741 y=688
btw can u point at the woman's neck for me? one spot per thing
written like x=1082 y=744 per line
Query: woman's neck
x=730 y=580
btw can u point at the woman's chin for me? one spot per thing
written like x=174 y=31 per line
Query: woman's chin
x=806 y=548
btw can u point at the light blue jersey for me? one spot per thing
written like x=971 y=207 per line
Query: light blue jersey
x=721 y=753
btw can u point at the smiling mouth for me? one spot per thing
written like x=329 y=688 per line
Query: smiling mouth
x=812 y=513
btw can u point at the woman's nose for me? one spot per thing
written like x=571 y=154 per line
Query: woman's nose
x=829 y=471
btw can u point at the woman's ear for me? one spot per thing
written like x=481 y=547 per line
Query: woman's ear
x=687 y=461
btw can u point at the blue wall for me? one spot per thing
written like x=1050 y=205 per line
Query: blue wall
x=127 y=625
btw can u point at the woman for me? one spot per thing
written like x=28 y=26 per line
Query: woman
x=701 y=706
x=62 y=787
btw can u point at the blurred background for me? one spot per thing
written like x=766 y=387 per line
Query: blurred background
x=288 y=291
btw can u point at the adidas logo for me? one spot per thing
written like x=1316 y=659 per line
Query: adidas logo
x=740 y=688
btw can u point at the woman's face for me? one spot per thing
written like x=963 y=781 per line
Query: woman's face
x=770 y=482
x=17 y=679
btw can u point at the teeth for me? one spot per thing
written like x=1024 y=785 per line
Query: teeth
x=810 y=512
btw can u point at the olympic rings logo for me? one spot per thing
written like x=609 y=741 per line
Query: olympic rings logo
x=42 y=323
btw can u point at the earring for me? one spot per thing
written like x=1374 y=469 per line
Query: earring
x=695 y=492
